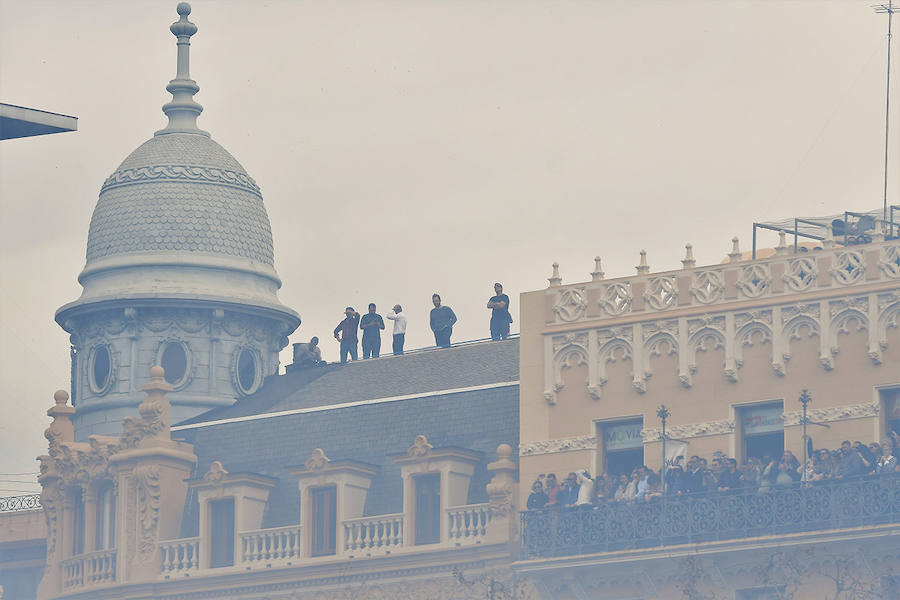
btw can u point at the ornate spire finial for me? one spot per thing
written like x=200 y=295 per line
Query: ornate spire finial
x=688 y=261
x=782 y=247
x=182 y=110
x=735 y=254
x=598 y=273
x=828 y=242
x=643 y=268
x=555 y=279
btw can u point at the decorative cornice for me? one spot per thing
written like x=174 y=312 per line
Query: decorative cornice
x=561 y=445
x=690 y=430
x=834 y=413
x=181 y=173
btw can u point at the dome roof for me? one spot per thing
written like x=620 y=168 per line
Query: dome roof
x=180 y=192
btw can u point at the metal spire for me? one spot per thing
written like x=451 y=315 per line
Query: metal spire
x=182 y=110
x=889 y=9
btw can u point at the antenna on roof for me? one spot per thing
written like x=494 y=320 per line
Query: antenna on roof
x=889 y=9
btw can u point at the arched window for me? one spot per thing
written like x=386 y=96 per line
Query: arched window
x=174 y=359
x=106 y=517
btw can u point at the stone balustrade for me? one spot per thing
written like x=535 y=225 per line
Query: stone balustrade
x=88 y=570
x=180 y=557
x=270 y=546
x=381 y=533
x=468 y=524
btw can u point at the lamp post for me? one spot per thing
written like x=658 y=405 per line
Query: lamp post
x=663 y=413
x=805 y=399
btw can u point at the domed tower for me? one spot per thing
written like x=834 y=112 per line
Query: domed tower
x=179 y=272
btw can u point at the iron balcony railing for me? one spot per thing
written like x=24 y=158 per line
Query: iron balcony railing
x=14 y=503
x=712 y=516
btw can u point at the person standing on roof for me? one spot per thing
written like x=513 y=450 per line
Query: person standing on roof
x=371 y=325
x=399 y=320
x=500 y=317
x=442 y=320
x=345 y=333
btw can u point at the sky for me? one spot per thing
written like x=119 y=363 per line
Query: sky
x=411 y=147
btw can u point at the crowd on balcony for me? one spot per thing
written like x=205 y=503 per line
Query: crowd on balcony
x=719 y=475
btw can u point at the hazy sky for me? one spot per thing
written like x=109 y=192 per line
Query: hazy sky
x=410 y=147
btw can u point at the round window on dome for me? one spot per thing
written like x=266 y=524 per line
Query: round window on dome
x=100 y=367
x=173 y=358
x=247 y=371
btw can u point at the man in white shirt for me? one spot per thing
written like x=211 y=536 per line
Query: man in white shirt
x=399 y=320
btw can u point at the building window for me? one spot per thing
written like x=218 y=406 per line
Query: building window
x=428 y=508
x=77 y=521
x=890 y=399
x=106 y=518
x=762 y=430
x=173 y=358
x=324 y=518
x=100 y=369
x=221 y=528
x=248 y=372
x=623 y=446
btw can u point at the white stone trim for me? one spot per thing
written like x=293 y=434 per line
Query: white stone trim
x=315 y=409
x=834 y=413
x=572 y=444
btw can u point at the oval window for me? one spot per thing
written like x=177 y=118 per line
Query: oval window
x=101 y=368
x=247 y=371
x=174 y=362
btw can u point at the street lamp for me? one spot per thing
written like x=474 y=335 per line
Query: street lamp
x=805 y=399
x=663 y=413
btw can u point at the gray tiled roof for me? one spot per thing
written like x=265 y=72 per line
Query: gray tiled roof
x=434 y=370
x=479 y=419
x=180 y=192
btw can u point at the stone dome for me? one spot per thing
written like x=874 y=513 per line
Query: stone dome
x=181 y=192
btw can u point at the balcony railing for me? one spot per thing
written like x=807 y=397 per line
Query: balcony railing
x=712 y=516
x=381 y=533
x=15 y=503
x=180 y=557
x=86 y=570
x=468 y=524
x=276 y=545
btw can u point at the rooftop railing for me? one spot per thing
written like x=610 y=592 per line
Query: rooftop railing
x=16 y=503
x=713 y=516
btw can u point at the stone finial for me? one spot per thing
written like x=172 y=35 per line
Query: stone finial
x=155 y=409
x=828 y=242
x=502 y=485
x=182 y=110
x=782 y=247
x=688 y=261
x=216 y=473
x=61 y=429
x=420 y=447
x=597 y=273
x=317 y=460
x=878 y=232
x=555 y=279
x=735 y=254
x=643 y=268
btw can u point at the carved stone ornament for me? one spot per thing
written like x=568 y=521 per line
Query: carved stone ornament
x=420 y=448
x=317 y=460
x=801 y=274
x=835 y=413
x=147 y=487
x=708 y=287
x=216 y=473
x=754 y=280
x=559 y=445
x=616 y=298
x=690 y=430
x=571 y=306
x=890 y=261
x=849 y=267
x=662 y=293
x=181 y=172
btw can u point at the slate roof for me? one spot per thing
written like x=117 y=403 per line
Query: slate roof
x=180 y=192
x=438 y=369
x=478 y=419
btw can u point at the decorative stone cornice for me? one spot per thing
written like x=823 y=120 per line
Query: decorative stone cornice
x=571 y=444
x=834 y=413
x=690 y=430
x=182 y=173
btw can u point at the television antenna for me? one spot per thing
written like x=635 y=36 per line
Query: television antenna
x=888 y=9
